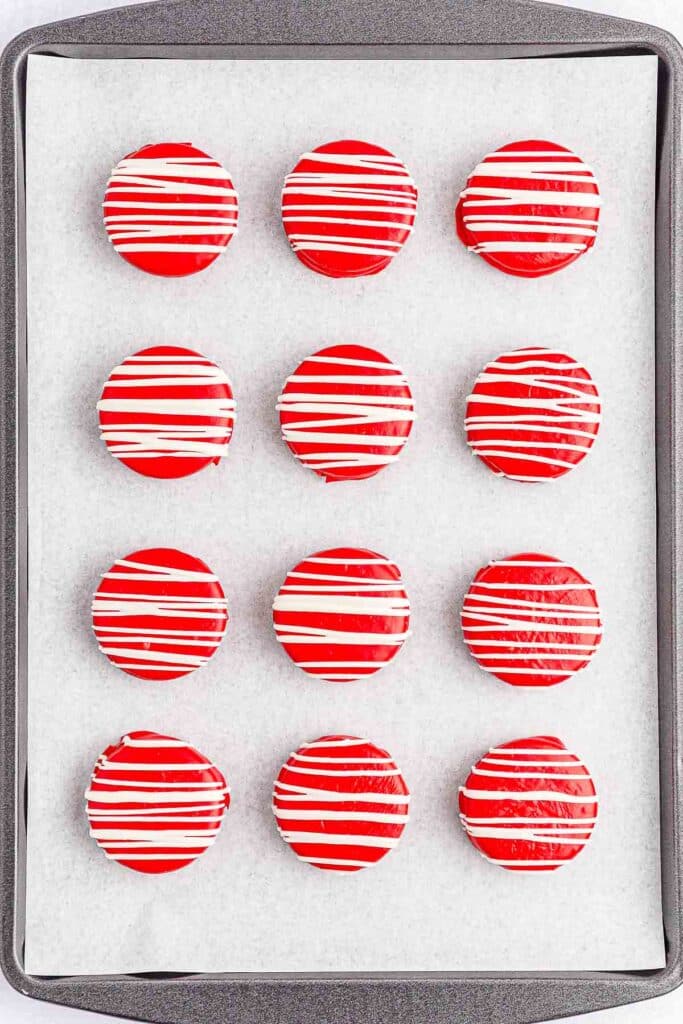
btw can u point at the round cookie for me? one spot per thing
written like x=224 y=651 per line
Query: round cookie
x=531 y=620
x=170 y=209
x=342 y=614
x=348 y=208
x=529 y=805
x=533 y=414
x=167 y=412
x=529 y=209
x=159 y=614
x=155 y=804
x=346 y=412
x=340 y=803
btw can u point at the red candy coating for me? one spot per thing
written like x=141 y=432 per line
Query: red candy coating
x=341 y=803
x=167 y=412
x=529 y=209
x=533 y=414
x=531 y=620
x=159 y=614
x=348 y=208
x=346 y=412
x=342 y=614
x=529 y=805
x=155 y=804
x=170 y=209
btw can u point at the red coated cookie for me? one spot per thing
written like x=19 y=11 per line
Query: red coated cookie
x=348 y=208
x=531 y=620
x=346 y=412
x=529 y=209
x=167 y=412
x=155 y=804
x=170 y=209
x=342 y=614
x=159 y=614
x=533 y=414
x=529 y=805
x=341 y=803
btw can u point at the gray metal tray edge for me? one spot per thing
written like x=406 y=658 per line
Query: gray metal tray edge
x=457 y=28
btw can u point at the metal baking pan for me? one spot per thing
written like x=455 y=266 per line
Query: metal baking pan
x=360 y=28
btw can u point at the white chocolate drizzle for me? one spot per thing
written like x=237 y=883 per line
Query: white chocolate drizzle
x=170 y=204
x=176 y=406
x=526 y=630
x=530 y=202
x=347 y=812
x=144 y=821
x=558 y=803
x=159 y=620
x=357 y=204
x=533 y=414
x=343 y=423
x=342 y=621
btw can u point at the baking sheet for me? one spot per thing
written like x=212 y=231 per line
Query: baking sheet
x=249 y=904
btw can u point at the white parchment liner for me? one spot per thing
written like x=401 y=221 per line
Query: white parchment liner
x=249 y=904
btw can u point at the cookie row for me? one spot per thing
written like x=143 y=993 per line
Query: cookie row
x=343 y=614
x=155 y=804
x=529 y=209
x=347 y=412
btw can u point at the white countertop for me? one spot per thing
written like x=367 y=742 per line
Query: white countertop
x=20 y=14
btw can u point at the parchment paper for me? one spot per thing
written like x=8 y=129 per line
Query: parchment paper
x=249 y=904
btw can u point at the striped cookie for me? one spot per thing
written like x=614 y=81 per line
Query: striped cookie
x=170 y=209
x=340 y=803
x=529 y=209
